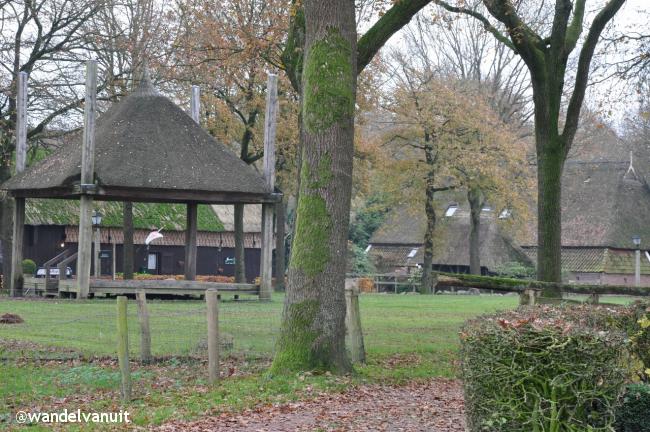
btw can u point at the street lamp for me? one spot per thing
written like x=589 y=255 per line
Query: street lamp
x=97 y=220
x=637 y=255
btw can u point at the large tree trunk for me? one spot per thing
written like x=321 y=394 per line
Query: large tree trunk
x=313 y=327
x=426 y=284
x=550 y=163
x=280 y=268
x=127 y=245
x=474 y=197
x=6 y=228
x=240 y=250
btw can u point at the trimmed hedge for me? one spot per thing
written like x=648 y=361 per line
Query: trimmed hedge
x=544 y=369
x=29 y=267
x=633 y=415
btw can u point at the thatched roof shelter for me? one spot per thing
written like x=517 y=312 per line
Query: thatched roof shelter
x=147 y=149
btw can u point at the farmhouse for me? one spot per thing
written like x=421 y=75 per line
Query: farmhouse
x=398 y=243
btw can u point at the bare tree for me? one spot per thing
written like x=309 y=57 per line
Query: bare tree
x=45 y=39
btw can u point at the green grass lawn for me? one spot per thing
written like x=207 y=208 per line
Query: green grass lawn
x=406 y=337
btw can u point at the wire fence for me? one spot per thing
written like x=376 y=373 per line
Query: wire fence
x=67 y=329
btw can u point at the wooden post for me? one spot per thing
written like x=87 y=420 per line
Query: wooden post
x=123 y=348
x=266 y=261
x=17 y=280
x=279 y=246
x=195 y=104
x=143 y=319
x=190 y=241
x=113 y=258
x=212 y=302
x=97 y=248
x=353 y=335
x=87 y=179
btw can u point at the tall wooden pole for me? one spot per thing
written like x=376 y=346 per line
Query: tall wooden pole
x=87 y=179
x=123 y=348
x=16 y=285
x=266 y=261
x=192 y=207
x=212 y=301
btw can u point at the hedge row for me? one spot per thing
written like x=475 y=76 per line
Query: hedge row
x=548 y=368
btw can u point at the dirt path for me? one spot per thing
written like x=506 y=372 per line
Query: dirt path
x=433 y=406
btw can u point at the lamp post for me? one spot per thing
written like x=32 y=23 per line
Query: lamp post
x=637 y=265
x=97 y=220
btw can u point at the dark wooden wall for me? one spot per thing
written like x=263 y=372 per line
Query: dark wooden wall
x=44 y=242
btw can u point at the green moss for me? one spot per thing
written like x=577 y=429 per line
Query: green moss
x=329 y=82
x=295 y=347
x=311 y=251
x=145 y=215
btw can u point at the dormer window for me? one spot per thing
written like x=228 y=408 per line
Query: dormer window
x=451 y=210
x=505 y=213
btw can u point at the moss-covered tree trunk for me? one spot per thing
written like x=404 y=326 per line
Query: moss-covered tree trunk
x=313 y=326
x=549 y=210
x=127 y=244
x=426 y=284
x=475 y=199
x=240 y=250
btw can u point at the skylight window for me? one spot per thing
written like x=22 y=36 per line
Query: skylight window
x=451 y=210
x=412 y=253
x=505 y=213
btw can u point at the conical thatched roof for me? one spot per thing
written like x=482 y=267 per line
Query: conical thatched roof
x=147 y=149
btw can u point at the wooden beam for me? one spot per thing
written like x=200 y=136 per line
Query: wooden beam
x=190 y=241
x=266 y=261
x=17 y=280
x=87 y=177
x=109 y=193
x=16 y=283
x=195 y=104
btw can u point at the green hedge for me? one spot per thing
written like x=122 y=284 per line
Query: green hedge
x=29 y=267
x=633 y=414
x=544 y=369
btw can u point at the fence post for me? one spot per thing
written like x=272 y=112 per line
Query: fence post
x=145 y=333
x=593 y=299
x=123 y=348
x=353 y=334
x=213 y=335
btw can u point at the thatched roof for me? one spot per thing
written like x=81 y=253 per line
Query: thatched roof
x=146 y=216
x=252 y=217
x=403 y=232
x=147 y=149
x=598 y=260
x=602 y=205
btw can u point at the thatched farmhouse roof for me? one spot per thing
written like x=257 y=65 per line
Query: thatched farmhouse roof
x=147 y=149
x=604 y=204
x=147 y=216
x=398 y=242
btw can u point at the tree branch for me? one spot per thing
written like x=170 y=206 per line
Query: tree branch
x=486 y=23
x=582 y=73
x=394 y=19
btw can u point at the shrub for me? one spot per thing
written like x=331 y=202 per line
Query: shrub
x=543 y=369
x=29 y=267
x=633 y=414
x=366 y=285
